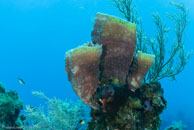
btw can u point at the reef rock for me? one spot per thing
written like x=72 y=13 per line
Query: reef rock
x=82 y=67
x=132 y=114
x=118 y=38
x=10 y=107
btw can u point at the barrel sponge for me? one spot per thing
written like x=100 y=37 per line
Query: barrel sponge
x=118 y=38
x=82 y=67
x=142 y=64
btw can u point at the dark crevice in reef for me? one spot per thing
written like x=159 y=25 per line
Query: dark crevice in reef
x=101 y=68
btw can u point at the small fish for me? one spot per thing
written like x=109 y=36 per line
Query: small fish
x=115 y=80
x=21 y=81
x=81 y=122
x=79 y=125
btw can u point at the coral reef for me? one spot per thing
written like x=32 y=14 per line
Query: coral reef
x=177 y=126
x=59 y=115
x=126 y=96
x=82 y=68
x=10 y=107
x=134 y=113
x=112 y=59
x=163 y=66
x=123 y=101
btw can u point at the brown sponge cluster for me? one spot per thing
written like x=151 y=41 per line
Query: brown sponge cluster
x=109 y=57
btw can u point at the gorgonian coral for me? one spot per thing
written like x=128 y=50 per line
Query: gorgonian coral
x=59 y=114
x=163 y=66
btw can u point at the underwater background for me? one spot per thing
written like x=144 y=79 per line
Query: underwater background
x=35 y=35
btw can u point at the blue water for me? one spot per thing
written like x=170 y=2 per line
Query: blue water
x=35 y=34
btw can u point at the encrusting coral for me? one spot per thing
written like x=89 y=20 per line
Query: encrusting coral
x=138 y=111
